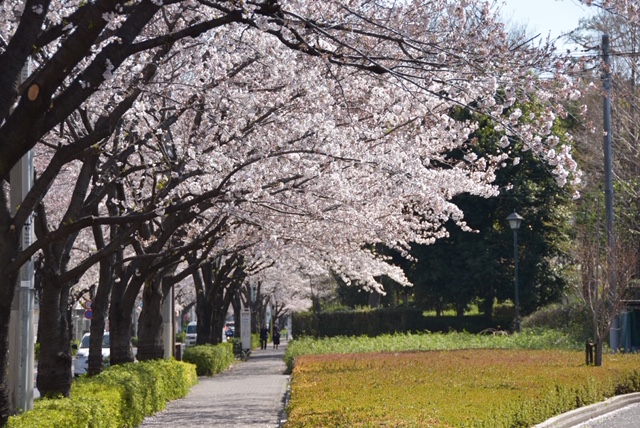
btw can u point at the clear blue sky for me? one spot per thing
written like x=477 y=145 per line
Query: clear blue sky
x=553 y=17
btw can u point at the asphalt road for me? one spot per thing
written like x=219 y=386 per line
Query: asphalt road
x=627 y=417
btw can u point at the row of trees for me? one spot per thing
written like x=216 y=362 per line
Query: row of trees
x=199 y=139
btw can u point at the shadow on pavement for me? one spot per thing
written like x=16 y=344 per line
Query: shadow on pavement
x=249 y=394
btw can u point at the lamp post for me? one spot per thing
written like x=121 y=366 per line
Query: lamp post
x=515 y=220
x=252 y=306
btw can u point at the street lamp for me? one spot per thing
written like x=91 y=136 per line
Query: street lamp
x=515 y=220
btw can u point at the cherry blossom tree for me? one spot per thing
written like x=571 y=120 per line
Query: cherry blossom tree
x=627 y=9
x=216 y=283
x=320 y=124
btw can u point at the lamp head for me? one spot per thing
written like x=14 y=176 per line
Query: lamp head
x=515 y=220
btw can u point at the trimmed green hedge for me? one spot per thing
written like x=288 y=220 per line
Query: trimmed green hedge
x=357 y=323
x=386 y=321
x=116 y=398
x=469 y=323
x=210 y=359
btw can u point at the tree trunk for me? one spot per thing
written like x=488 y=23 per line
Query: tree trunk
x=7 y=288
x=54 y=365
x=8 y=281
x=598 y=357
x=374 y=299
x=98 y=326
x=97 y=329
x=217 y=327
x=203 y=305
x=235 y=304
x=487 y=304
x=120 y=321
x=216 y=285
x=100 y=306
x=150 y=343
x=219 y=307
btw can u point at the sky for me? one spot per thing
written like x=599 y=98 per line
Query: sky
x=546 y=16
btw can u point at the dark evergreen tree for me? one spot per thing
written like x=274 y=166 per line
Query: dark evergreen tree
x=477 y=267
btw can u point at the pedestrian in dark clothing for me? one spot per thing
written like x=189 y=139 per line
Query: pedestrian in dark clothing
x=276 y=337
x=264 y=336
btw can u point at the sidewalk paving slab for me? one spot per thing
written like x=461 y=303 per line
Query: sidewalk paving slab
x=250 y=394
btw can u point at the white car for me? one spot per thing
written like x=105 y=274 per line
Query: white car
x=81 y=363
x=192 y=333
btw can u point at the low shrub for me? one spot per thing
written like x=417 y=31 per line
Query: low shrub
x=116 y=398
x=210 y=359
x=573 y=319
x=163 y=377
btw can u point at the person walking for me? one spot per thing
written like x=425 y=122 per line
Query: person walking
x=276 y=337
x=264 y=336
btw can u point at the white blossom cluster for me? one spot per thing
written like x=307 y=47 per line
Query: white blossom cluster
x=326 y=127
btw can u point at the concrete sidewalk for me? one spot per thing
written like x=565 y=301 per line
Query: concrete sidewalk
x=249 y=394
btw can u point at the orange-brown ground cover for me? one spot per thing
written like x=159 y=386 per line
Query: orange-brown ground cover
x=491 y=388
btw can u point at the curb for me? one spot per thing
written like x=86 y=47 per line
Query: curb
x=583 y=414
x=285 y=402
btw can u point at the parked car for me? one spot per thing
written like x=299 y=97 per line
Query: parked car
x=192 y=333
x=81 y=363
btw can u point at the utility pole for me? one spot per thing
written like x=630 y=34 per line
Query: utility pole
x=168 y=336
x=608 y=185
x=21 y=329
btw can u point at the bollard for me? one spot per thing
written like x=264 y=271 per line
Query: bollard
x=589 y=352
x=179 y=350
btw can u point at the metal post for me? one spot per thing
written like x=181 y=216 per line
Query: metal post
x=515 y=258
x=515 y=220
x=167 y=326
x=608 y=185
x=21 y=328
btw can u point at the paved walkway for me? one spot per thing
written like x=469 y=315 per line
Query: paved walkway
x=250 y=394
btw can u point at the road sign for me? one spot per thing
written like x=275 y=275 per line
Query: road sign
x=88 y=314
x=245 y=328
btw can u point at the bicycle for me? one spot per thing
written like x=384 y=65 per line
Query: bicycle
x=244 y=356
